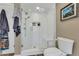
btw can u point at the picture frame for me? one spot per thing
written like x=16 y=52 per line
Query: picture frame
x=68 y=12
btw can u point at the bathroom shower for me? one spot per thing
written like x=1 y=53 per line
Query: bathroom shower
x=35 y=27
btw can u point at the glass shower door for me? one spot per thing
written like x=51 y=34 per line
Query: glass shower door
x=26 y=32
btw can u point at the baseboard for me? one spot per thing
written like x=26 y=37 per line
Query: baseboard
x=9 y=54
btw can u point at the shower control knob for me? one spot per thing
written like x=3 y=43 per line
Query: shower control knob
x=34 y=47
x=21 y=45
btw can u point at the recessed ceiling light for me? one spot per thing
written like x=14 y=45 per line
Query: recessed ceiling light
x=37 y=8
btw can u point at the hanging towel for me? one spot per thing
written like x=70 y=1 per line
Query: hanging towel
x=16 y=26
x=4 y=27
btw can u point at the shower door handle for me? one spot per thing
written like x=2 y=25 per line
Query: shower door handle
x=24 y=28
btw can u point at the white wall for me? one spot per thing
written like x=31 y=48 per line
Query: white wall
x=51 y=27
x=51 y=21
x=48 y=25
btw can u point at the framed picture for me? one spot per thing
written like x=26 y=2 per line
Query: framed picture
x=68 y=12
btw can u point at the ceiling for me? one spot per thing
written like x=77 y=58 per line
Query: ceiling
x=37 y=7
